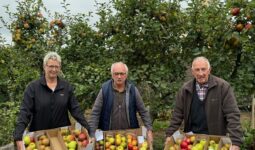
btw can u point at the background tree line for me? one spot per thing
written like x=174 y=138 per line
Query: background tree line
x=157 y=39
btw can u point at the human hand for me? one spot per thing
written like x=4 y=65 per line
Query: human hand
x=92 y=140
x=19 y=145
x=234 y=147
x=167 y=140
x=150 y=136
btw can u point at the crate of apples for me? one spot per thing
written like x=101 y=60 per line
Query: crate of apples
x=144 y=146
x=213 y=143
x=82 y=137
x=99 y=145
x=69 y=139
x=120 y=141
x=43 y=142
x=132 y=141
x=185 y=143
x=29 y=142
x=109 y=142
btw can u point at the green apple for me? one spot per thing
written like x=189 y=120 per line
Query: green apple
x=111 y=140
x=32 y=145
x=212 y=142
x=72 y=145
x=26 y=139
x=101 y=142
x=123 y=144
x=145 y=144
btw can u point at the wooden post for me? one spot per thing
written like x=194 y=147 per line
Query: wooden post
x=253 y=112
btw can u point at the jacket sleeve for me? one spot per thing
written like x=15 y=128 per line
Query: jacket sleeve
x=177 y=115
x=25 y=113
x=232 y=113
x=76 y=111
x=143 y=112
x=96 y=112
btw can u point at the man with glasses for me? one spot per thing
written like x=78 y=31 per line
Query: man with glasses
x=207 y=105
x=117 y=104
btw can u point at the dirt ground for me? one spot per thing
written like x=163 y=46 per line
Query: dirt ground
x=246 y=116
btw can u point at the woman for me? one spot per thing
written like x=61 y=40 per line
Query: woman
x=47 y=102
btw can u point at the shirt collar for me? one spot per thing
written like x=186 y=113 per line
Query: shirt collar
x=206 y=85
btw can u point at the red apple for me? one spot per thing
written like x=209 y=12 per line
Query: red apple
x=84 y=143
x=184 y=145
x=188 y=141
x=32 y=139
x=135 y=148
x=130 y=146
x=248 y=26
x=235 y=11
x=82 y=136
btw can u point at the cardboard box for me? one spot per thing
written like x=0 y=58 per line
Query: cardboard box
x=208 y=141
x=42 y=140
x=88 y=146
x=121 y=138
x=225 y=142
x=56 y=139
x=29 y=140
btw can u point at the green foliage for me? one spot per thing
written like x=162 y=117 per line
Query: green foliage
x=249 y=136
x=157 y=39
x=8 y=111
x=159 y=128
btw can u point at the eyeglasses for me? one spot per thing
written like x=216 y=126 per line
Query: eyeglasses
x=119 y=73
x=52 y=67
x=200 y=69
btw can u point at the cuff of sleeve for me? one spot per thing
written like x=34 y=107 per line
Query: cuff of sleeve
x=92 y=134
x=16 y=137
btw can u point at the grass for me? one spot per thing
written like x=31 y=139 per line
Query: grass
x=159 y=128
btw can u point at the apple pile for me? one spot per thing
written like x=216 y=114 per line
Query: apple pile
x=199 y=145
x=225 y=146
x=144 y=146
x=120 y=141
x=110 y=142
x=99 y=145
x=69 y=139
x=43 y=142
x=82 y=137
x=132 y=142
x=184 y=144
x=213 y=145
x=29 y=142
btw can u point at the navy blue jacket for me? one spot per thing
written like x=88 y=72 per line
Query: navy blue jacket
x=107 y=90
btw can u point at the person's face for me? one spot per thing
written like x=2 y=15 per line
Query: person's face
x=52 y=68
x=119 y=74
x=201 y=71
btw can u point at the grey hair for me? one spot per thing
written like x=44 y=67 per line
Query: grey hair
x=53 y=56
x=201 y=58
x=119 y=63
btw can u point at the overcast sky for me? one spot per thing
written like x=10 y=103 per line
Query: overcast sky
x=76 y=6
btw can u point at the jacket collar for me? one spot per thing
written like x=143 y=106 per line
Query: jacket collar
x=59 y=82
x=190 y=85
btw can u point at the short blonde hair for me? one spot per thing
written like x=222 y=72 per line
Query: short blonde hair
x=53 y=56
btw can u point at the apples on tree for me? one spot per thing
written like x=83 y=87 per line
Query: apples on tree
x=235 y=11
x=248 y=26
x=239 y=27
